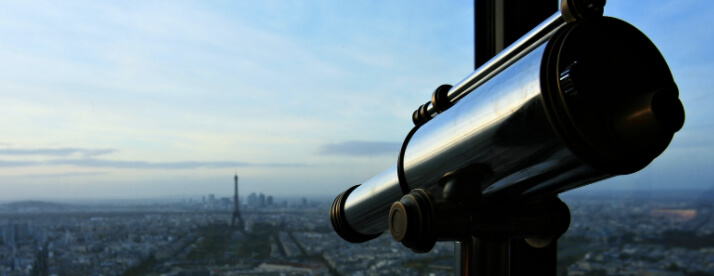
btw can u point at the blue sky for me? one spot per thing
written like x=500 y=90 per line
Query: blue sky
x=170 y=98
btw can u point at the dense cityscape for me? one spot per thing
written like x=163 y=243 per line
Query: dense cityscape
x=637 y=234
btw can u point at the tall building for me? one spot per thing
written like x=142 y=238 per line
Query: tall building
x=10 y=235
x=236 y=209
x=15 y=233
x=253 y=200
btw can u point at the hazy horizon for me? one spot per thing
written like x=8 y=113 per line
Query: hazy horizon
x=579 y=192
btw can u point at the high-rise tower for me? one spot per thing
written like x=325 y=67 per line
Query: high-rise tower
x=236 y=209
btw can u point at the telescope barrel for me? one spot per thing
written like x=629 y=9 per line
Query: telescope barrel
x=597 y=100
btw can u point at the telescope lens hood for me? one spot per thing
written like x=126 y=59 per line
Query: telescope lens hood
x=339 y=220
x=609 y=94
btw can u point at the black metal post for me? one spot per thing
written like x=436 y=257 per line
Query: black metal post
x=497 y=24
x=498 y=247
x=528 y=260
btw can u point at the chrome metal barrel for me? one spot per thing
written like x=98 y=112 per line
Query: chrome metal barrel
x=595 y=101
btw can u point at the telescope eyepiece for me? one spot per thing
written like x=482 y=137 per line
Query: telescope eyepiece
x=340 y=223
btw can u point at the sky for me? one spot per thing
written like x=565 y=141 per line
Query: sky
x=149 y=99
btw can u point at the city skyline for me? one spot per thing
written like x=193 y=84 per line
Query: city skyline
x=667 y=234
x=151 y=100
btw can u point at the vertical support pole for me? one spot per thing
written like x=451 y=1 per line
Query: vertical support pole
x=497 y=24
x=493 y=257
x=465 y=252
x=531 y=260
x=461 y=257
x=485 y=31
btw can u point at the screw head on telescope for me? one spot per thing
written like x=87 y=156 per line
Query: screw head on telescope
x=398 y=221
x=412 y=221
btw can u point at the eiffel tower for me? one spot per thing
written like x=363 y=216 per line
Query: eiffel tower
x=236 y=209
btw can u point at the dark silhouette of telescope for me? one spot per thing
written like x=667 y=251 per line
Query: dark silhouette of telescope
x=578 y=99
